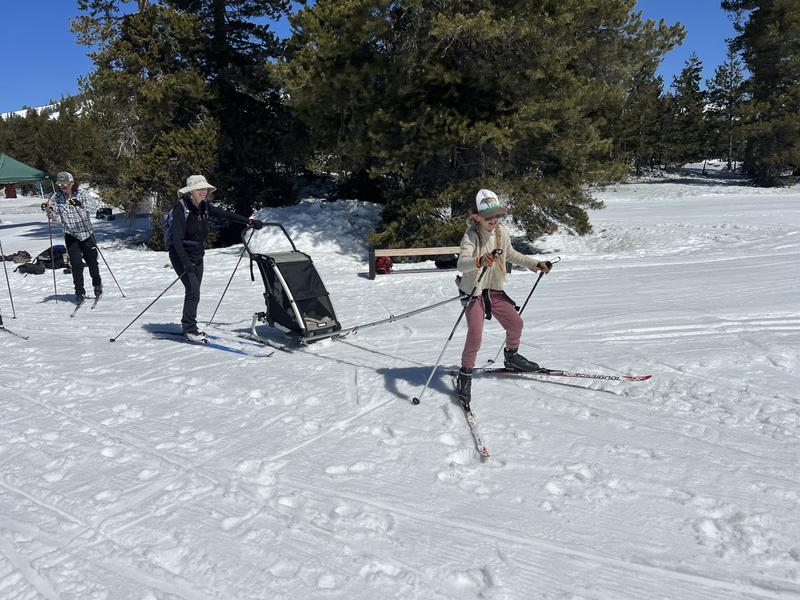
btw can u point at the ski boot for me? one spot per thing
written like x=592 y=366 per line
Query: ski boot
x=79 y=299
x=196 y=336
x=464 y=386
x=514 y=361
x=98 y=292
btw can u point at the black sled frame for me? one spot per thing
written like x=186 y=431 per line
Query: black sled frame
x=296 y=299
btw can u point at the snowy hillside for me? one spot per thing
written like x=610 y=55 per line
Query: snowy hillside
x=151 y=469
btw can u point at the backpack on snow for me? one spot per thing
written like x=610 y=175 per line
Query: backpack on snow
x=169 y=216
x=59 y=259
x=44 y=261
x=383 y=265
x=19 y=257
x=31 y=268
x=449 y=261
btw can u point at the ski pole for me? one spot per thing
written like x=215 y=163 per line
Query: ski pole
x=52 y=253
x=470 y=299
x=97 y=247
x=114 y=339
x=533 y=289
x=109 y=268
x=241 y=256
x=8 y=283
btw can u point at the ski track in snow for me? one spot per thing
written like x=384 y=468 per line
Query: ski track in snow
x=149 y=469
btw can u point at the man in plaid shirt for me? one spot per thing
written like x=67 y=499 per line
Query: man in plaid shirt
x=74 y=208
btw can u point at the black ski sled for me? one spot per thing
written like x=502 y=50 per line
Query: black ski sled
x=297 y=301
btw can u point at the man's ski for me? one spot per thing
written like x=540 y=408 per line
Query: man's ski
x=211 y=343
x=96 y=300
x=77 y=308
x=560 y=373
x=472 y=423
x=14 y=333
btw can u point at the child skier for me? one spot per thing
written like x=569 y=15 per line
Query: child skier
x=485 y=234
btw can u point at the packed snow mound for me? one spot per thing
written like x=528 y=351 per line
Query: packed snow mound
x=339 y=227
x=695 y=222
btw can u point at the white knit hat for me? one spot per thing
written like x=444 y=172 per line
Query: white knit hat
x=196 y=182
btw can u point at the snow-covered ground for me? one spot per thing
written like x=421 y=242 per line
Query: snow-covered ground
x=150 y=469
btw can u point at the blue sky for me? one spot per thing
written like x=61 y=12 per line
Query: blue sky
x=707 y=29
x=42 y=61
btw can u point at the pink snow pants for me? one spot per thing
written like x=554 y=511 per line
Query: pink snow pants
x=506 y=315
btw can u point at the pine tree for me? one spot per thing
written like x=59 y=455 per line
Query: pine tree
x=260 y=144
x=147 y=89
x=726 y=95
x=769 y=41
x=22 y=137
x=687 y=135
x=62 y=137
x=433 y=101
x=186 y=86
x=641 y=120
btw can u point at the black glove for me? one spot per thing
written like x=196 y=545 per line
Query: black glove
x=255 y=223
x=44 y=206
x=75 y=203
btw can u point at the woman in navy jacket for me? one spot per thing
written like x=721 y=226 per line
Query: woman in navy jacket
x=186 y=233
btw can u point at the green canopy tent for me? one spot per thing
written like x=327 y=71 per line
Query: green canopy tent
x=13 y=171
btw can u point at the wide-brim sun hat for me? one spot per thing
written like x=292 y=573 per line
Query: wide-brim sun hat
x=487 y=205
x=196 y=182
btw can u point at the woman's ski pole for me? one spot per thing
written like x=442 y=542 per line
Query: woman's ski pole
x=225 y=291
x=470 y=300
x=533 y=289
x=109 y=268
x=8 y=283
x=114 y=339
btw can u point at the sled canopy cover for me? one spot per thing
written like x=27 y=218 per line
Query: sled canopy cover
x=296 y=298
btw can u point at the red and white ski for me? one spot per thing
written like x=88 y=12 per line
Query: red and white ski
x=560 y=373
x=472 y=423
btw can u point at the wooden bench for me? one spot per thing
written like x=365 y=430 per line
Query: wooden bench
x=376 y=252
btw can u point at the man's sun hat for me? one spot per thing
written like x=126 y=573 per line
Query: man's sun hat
x=487 y=205
x=196 y=182
x=64 y=177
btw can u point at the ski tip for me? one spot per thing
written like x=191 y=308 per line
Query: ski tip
x=484 y=452
x=636 y=377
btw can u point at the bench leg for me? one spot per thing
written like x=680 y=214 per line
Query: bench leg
x=372 y=264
